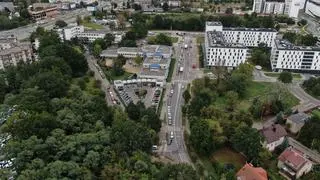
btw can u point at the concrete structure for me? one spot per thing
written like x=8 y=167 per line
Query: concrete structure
x=286 y=7
x=249 y=172
x=40 y=11
x=230 y=46
x=13 y=52
x=274 y=136
x=297 y=121
x=293 y=163
x=313 y=8
x=74 y=30
x=286 y=56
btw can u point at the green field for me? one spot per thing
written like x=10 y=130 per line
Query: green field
x=272 y=74
x=228 y=156
x=91 y=25
x=171 y=69
x=258 y=89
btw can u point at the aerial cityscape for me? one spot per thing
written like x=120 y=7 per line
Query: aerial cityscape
x=160 y=89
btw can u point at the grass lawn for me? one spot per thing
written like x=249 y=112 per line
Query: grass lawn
x=125 y=76
x=272 y=74
x=228 y=156
x=174 y=39
x=257 y=89
x=200 y=39
x=152 y=39
x=92 y=25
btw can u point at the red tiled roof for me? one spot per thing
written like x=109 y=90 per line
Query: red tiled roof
x=273 y=133
x=248 y=172
x=292 y=158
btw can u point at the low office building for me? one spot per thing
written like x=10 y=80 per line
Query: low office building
x=286 y=56
x=12 y=52
x=274 y=136
x=40 y=11
x=230 y=47
x=73 y=30
x=293 y=164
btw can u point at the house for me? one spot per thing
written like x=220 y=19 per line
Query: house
x=248 y=172
x=274 y=136
x=293 y=163
x=296 y=121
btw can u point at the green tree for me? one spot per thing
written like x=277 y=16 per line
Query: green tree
x=61 y=23
x=201 y=137
x=232 y=98
x=165 y=6
x=138 y=60
x=247 y=140
x=109 y=39
x=97 y=50
x=285 y=77
x=186 y=96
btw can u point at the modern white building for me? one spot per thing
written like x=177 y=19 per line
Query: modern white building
x=231 y=46
x=313 y=8
x=73 y=30
x=286 y=56
x=286 y=7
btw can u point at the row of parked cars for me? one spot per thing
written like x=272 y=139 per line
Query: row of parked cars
x=156 y=96
x=124 y=96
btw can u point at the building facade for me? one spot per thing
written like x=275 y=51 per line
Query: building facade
x=286 y=56
x=13 y=52
x=286 y=7
x=74 y=30
x=40 y=11
x=230 y=47
x=274 y=136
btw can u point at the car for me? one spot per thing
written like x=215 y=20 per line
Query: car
x=154 y=147
x=171 y=135
x=170 y=122
x=182 y=86
x=171 y=91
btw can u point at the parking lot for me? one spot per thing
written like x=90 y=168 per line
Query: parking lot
x=148 y=93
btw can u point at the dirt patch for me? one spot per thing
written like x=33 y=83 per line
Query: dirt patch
x=131 y=67
x=228 y=156
x=108 y=62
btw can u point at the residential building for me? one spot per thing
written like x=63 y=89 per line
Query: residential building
x=12 y=52
x=144 y=3
x=174 y=3
x=249 y=172
x=40 y=11
x=293 y=163
x=230 y=47
x=313 y=8
x=274 y=136
x=72 y=31
x=286 y=56
x=297 y=121
x=286 y=7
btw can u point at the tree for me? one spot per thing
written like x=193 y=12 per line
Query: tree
x=97 y=50
x=138 y=60
x=302 y=22
x=60 y=23
x=109 y=39
x=232 y=98
x=186 y=96
x=285 y=77
x=165 y=6
x=229 y=10
x=201 y=137
x=247 y=140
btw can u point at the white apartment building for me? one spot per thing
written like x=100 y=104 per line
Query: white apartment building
x=313 y=8
x=286 y=56
x=230 y=46
x=72 y=31
x=286 y=7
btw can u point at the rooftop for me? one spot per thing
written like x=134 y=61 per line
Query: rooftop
x=293 y=158
x=249 y=172
x=299 y=118
x=248 y=29
x=273 y=133
x=213 y=23
x=152 y=72
x=16 y=49
x=156 y=48
x=128 y=49
x=155 y=60
x=216 y=39
x=286 y=45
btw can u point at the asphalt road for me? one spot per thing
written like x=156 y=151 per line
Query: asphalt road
x=25 y=31
x=93 y=66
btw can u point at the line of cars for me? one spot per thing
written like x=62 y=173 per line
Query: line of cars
x=113 y=99
x=156 y=96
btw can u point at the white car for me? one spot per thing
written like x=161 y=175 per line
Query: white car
x=171 y=135
x=171 y=91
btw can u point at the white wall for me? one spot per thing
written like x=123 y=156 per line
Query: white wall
x=250 y=38
x=312 y=9
x=230 y=57
x=273 y=145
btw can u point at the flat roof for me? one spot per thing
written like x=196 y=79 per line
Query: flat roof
x=249 y=29
x=155 y=60
x=156 y=48
x=286 y=45
x=213 y=23
x=152 y=72
x=19 y=48
x=129 y=49
x=216 y=39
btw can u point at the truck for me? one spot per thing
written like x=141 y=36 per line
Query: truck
x=181 y=69
x=186 y=46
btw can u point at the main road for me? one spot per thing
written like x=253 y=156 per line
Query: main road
x=186 y=58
